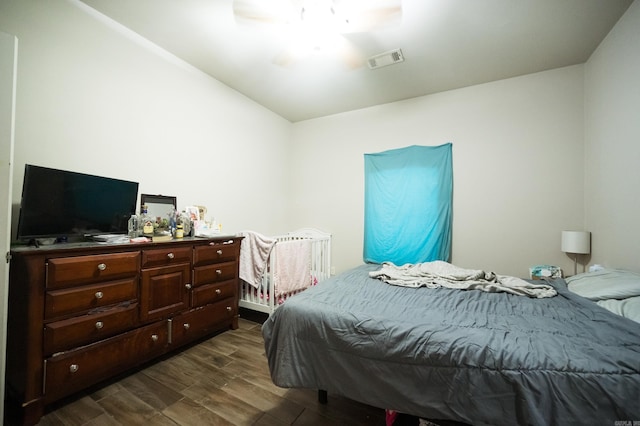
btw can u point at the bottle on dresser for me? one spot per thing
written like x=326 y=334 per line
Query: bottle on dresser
x=133 y=226
x=145 y=222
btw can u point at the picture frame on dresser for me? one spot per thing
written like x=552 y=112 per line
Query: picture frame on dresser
x=159 y=205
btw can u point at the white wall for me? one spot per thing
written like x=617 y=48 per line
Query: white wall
x=8 y=55
x=612 y=135
x=518 y=168
x=93 y=97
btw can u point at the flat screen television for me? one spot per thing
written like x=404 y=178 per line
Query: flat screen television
x=59 y=203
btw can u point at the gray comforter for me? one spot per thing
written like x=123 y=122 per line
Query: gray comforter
x=471 y=356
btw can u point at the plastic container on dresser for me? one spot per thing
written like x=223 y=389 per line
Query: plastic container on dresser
x=81 y=313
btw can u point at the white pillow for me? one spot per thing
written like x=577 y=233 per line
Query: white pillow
x=605 y=284
x=628 y=308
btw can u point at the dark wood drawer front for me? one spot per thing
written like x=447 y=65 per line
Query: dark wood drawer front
x=164 y=291
x=166 y=256
x=71 y=271
x=68 y=301
x=75 y=370
x=214 y=273
x=216 y=252
x=200 y=321
x=77 y=331
x=213 y=293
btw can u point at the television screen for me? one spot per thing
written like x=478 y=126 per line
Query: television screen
x=59 y=203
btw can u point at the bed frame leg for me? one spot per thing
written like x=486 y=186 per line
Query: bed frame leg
x=322 y=396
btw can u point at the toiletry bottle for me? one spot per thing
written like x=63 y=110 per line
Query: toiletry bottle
x=145 y=222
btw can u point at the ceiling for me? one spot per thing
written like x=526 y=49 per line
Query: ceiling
x=447 y=44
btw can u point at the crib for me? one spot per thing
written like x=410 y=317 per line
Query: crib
x=266 y=298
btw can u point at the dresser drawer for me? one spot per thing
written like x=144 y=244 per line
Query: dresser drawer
x=75 y=370
x=210 y=293
x=216 y=252
x=77 y=331
x=68 y=301
x=166 y=256
x=203 y=320
x=214 y=273
x=71 y=271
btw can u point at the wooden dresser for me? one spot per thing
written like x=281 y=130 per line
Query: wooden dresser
x=80 y=313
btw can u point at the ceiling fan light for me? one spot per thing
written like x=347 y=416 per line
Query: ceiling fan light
x=319 y=16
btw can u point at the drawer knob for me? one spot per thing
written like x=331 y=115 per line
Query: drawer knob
x=229 y=308
x=187 y=286
x=218 y=291
x=99 y=295
x=73 y=368
x=218 y=271
x=154 y=337
x=219 y=252
x=99 y=325
x=170 y=255
x=186 y=325
x=102 y=266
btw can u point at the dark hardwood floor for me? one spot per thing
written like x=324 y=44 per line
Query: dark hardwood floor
x=221 y=381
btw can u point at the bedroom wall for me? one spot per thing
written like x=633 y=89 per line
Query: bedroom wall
x=96 y=98
x=612 y=143
x=518 y=168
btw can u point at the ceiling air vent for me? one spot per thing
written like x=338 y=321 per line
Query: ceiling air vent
x=387 y=58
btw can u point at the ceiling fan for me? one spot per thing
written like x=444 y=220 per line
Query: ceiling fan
x=319 y=26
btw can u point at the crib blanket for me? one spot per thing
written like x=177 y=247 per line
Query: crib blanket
x=293 y=266
x=254 y=254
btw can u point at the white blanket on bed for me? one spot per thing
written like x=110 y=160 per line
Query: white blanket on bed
x=443 y=274
x=254 y=253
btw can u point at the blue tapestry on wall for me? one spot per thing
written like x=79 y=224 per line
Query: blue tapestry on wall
x=408 y=205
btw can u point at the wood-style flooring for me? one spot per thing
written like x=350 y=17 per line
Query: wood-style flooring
x=221 y=381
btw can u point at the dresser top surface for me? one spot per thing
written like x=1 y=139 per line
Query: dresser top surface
x=25 y=249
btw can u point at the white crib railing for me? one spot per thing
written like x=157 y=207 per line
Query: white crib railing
x=265 y=298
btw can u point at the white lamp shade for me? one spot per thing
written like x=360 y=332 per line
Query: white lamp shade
x=576 y=242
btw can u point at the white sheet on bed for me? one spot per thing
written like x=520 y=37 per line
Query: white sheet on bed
x=443 y=274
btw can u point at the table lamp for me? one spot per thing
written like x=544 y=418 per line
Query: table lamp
x=576 y=242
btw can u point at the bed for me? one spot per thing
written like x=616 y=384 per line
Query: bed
x=468 y=356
